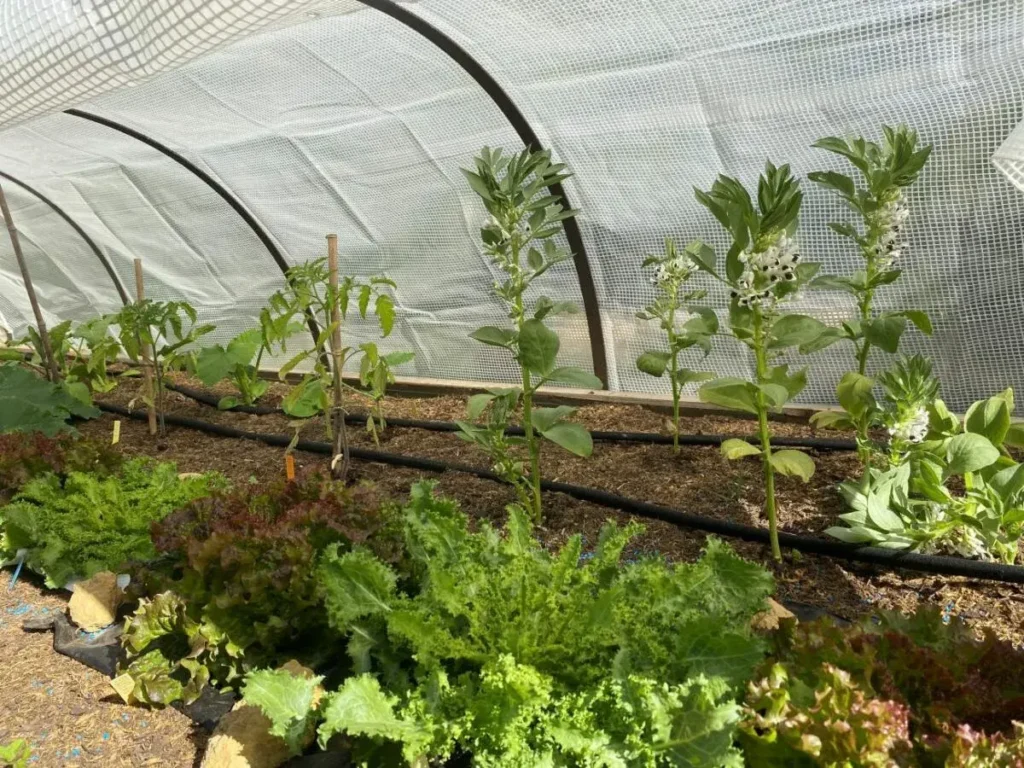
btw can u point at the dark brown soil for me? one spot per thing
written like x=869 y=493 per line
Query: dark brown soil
x=698 y=480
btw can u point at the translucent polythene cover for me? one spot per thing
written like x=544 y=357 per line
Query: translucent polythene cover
x=335 y=117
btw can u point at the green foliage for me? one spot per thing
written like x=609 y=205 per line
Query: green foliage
x=165 y=328
x=15 y=754
x=916 y=501
x=525 y=657
x=29 y=403
x=487 y=418
x=239 y=361
x=897 y=691
x=237 y=582
x=82 y=353
x=288 y=700
x=763 y=270
x=684 y=326
x=518 y=236
x=375 y=374
x=25 y=456
x=887 y=170
x=91 y=523
x=309 y=294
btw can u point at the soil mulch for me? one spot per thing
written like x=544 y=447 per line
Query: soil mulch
x=698 y=480
x=67 y=712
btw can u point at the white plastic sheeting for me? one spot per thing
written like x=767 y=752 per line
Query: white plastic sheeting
x=330 y=120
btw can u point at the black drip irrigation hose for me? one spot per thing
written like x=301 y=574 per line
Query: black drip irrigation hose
x=817 y=443
x=887 y=558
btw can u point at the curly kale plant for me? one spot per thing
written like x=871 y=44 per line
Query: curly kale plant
x=237 y=586
x=523 y=657
x=519 y=237
x=763 y=271
x=89 y=523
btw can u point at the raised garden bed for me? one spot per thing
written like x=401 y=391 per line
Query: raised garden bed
x=698 y=480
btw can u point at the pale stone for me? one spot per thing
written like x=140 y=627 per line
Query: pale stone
x=243 y=740
x=769 y=620
x=94 y=602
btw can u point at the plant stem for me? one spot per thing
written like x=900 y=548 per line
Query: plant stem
x=531 y=444
x=675 y=403
x=160 y=394
x=765 y=434
x=531 y=437
x=865 y=313
x=674 y=372
x=865 y=316
x=341 y=451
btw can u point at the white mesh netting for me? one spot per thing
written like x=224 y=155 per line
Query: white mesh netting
x=332 y=120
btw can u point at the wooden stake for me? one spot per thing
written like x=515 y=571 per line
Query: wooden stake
x=341 y=454
x=49 y=359
x=146 y=352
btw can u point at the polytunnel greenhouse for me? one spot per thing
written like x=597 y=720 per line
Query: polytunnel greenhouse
x=525 y=384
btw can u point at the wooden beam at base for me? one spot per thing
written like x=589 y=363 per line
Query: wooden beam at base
x=412 y=386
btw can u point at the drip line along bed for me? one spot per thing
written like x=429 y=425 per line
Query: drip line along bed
x=698 y=481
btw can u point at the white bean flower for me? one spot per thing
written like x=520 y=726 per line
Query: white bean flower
x=671 y=273
x=764 y=269
x=891 y=220
x=912 y=428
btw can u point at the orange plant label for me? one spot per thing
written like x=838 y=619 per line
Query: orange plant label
x=289 y=466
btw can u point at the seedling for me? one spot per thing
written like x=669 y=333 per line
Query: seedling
x=165 y=328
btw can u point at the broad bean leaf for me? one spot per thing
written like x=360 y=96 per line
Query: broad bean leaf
x=538 y=347
x=730 y=393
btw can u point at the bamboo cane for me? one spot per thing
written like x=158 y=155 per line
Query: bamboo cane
x=147 y=354
x=341 y=451
x=44 y=336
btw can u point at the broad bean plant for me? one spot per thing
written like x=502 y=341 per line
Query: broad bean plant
x=763 y=272
x=887 y=170
x=949 y=486
x=165 y=328
x=518 y=236
x=684 y=325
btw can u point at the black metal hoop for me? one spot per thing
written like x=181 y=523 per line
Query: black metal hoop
x=74 y=225
x=211 y=182
x=522 y=127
